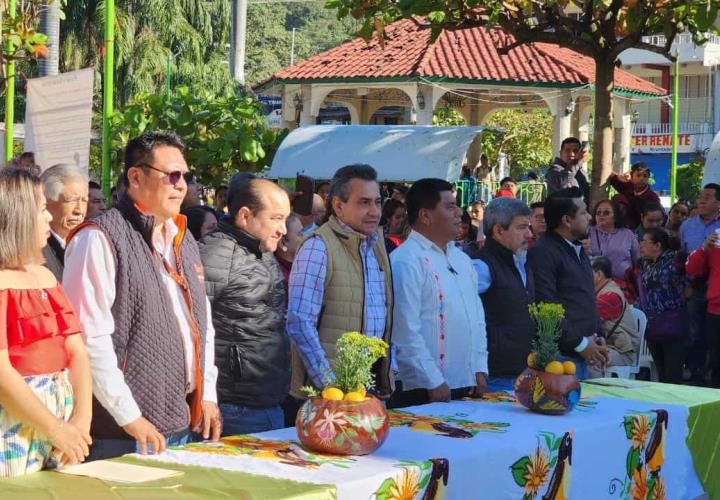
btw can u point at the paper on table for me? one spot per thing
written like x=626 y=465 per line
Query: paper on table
x=608 y=382
x=119 y=472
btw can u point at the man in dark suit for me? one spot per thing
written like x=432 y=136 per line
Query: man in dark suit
x=66 y=191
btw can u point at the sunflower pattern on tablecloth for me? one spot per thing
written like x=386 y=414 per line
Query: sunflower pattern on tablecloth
x=451 y=427
x=550 y=464
x=417 y=480
x=284 y=452
x=646 y=432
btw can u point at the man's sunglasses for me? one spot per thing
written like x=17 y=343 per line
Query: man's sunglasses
x=174 y=176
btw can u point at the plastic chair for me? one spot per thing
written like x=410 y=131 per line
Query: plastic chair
x=644 y=359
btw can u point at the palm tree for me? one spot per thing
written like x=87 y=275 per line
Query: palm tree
x=50 y=25
x=147 y=32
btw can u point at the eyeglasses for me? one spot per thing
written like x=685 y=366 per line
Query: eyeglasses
x=173 y=176
x=603 y=213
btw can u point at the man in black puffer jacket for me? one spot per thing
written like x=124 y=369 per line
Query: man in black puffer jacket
x=245 y=286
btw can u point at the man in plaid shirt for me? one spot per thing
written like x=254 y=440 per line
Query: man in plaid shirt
x=340 y=281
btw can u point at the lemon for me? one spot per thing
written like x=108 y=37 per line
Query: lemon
x=354 y=396
x=333 y=394
x=555 y=367
x=362 y=390
x=569 y=368
x=531 y=360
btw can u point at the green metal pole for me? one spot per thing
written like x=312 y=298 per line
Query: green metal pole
x=676 y=112
x=10 y=93
x=108 y=78
x=167 y=78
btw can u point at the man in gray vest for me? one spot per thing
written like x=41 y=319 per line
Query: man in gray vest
x=247 y=290
x=507 y=288
x=135 y=278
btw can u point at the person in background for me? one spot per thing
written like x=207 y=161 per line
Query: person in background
x=246 y=289
x=45 y=383
x=653 y=217
x=470 y=185
x=504 y=277
x=194 y=194
x=398 y=193
x=567 y=170
x=466 y=237
x=483 y=171
x=341 y=282
x=618 y=324
x=438 y=320
x=201 y=220
x=536 y=190
x=679 y=213
x=220 y=201
x=289 y=245
x=477 y=211
x=705 y=263
x=323 y=189
x=117 y=192
x=537 y=222
x=563 y=275
x=508 y=188
x=609 y=240
x=392 y=221
x=66 y=191
x=660 y=281
x=96 y=202
x=633 y=193
x=316 y=217
x=693 y=233
x=135 y=277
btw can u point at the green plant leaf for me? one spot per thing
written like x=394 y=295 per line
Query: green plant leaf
x=632 y=461
x=383 y=492
x=519 y=469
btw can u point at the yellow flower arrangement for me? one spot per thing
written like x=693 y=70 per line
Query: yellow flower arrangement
x=548 y=318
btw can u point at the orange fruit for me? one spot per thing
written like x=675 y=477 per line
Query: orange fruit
x=333 y=394
x=569 y=368
x=555 y=367
x=354 y=396
x=40 y=51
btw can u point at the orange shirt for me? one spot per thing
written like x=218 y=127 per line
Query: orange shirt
x=34 y=325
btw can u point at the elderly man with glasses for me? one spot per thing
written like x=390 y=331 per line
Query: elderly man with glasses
x=136 y=280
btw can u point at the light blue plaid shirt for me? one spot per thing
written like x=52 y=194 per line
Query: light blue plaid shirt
x=306 y=288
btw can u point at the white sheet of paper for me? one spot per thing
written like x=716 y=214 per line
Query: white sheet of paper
x=107 y=470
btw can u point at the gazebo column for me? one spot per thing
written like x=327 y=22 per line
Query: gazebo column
x=424 y=103
x=473 y=153
x=584 y=108
x=623 y=130
x=306 y=116
x=562 y=121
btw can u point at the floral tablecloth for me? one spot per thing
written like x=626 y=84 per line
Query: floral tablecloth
x=492 y=448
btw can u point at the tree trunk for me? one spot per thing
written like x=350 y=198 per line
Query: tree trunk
x=603 y=128
x=50 y=25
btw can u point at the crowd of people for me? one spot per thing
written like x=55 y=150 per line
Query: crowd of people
x=160 y=320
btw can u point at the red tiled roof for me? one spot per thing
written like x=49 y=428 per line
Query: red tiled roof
x=467 y=54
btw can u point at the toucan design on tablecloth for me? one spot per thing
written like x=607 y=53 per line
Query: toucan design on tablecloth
x=559 y=487
x=451 y=427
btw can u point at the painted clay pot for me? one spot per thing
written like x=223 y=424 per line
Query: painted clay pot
x=547 y=393
x=342 y=427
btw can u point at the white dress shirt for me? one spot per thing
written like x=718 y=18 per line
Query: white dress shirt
x=438 y=317
x=89 y=282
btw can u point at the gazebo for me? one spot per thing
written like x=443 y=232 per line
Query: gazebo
x=462 y=69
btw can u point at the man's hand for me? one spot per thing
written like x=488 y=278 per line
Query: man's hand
x=211 y=421
x=146 y=434
x=584 y=157
x=594 y=354
x=711 y=241
x=481 y=385
x=440 y=394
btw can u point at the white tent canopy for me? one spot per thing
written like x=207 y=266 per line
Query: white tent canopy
x=397 y=152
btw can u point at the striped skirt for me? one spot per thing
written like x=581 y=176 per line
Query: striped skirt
x=22 y=449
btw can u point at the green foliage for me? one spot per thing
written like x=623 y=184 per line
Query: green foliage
x=448 y=117
x=147 y=32
x=689 y=179
x=526 y=139
x=222 y=134
x=269 y=42
x=21 y=37
x=545 y=345
x=356 y=353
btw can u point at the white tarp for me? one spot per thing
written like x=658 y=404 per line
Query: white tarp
x=712 y=162
x=58 y=118
x=397 y=152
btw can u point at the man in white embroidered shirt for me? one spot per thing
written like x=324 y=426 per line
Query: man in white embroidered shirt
x=439 y=325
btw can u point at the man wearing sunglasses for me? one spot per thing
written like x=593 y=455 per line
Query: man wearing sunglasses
x=136 y=280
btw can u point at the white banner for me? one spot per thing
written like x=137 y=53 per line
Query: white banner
x=58 y=118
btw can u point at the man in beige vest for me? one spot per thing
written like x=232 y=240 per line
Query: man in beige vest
x=341 y=282
x=617 y=322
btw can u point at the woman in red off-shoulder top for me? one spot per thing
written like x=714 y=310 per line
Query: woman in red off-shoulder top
x=45 y=381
